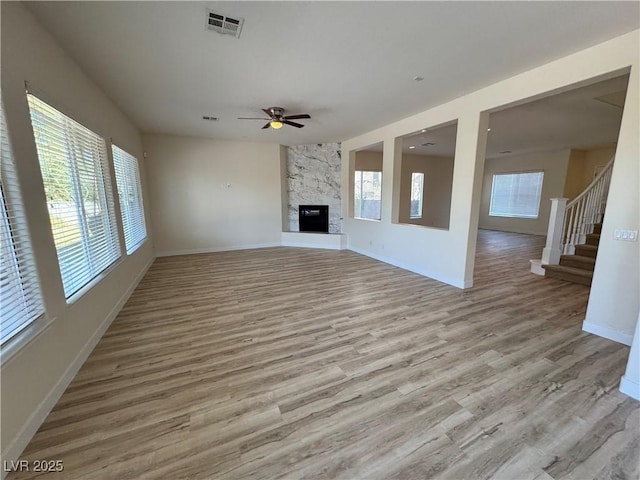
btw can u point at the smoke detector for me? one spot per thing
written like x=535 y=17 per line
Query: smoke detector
x=221 y=23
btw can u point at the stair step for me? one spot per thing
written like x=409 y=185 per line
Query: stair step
x=578 y=261
x=569 y=274
x=593 y=239
x=586 y=250
x=597 y=228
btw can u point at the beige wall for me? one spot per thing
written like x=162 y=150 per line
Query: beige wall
x=210 y=195
x=553 y=164
x=368 y=161
x=582 y=168
x=284 y=188
x=574 y=182
x=438 y=181
x=36 y=376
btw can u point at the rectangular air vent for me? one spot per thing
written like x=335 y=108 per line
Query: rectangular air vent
x=223 y=24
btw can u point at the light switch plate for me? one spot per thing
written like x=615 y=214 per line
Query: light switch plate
x=625 y=235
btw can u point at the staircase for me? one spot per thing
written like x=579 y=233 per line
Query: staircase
x=574 y=233
x=578 y=268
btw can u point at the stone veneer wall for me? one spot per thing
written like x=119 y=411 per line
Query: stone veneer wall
x=313 y=178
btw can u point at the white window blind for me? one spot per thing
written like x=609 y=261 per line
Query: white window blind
x=417 y=194
x=20 y=297
x=130 y=196
x=516 y=195
x=74 y=167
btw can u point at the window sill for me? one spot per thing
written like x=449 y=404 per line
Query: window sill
x=24 y=338
x=137 y=246
x=368 y=219
x=94 y=281
x=495 y=215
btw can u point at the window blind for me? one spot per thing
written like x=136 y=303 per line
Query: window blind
x=74 y=167
x=130 y=196
x=516 y=195
x=20 y=297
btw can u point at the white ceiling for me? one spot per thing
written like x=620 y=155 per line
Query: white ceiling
x=577 y=118
x=350 y=65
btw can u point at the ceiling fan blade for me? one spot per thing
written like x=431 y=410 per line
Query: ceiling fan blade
x=252 y=118
x=294 y=117
x=293 y=124
x=267 y=125
x=269 y=114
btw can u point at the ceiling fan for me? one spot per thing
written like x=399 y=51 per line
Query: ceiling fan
x=277 y=119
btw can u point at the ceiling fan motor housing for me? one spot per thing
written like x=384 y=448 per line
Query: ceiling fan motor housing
x=277 y=112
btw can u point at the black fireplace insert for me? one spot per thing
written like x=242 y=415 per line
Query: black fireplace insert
x=314 y=218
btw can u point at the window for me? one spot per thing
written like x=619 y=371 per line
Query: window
x=73 y=163
x=516 y=195
x=20 y=297
x=368 y=195
x=130 y=195
x=417 y=193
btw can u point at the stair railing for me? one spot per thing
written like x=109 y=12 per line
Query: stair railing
x=569 y=223
x=585 y=210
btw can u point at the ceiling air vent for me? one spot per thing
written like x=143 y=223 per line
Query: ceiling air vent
x=223 y=24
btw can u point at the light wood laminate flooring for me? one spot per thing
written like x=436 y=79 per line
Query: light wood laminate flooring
x=298 y=363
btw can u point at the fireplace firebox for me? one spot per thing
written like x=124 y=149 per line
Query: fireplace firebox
x=314 y=218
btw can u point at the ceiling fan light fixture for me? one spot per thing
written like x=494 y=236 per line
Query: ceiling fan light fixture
x=277 y=119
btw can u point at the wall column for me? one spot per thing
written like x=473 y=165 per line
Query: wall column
x=630 y=382
x=471 y=143
x=614 y=301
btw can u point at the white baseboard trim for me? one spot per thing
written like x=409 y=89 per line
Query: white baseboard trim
x=29 y=429
x=616 y=336
x=172 y=253
x=629 y=387
x=312 y=245
x=414 y=269
x=507 y=230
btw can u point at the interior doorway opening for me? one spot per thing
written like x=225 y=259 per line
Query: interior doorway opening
x=556 y=147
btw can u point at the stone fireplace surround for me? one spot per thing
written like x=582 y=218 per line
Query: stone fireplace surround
x=313 y=178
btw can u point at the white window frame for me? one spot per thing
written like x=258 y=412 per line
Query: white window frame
x=420 y=195
x=18 y=271
x=86 y=158
x=358 y=214
x=129 y=187
x=508 y=211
